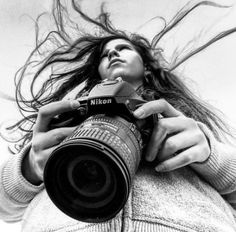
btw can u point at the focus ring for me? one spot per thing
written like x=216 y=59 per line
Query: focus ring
x=114 y=133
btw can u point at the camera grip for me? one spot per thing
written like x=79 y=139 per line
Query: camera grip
x=68 y=119
x=133 y=104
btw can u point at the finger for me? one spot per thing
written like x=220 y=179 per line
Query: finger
x=158 y=135
x=182 y=159
x=47 y=112
x=157 y=106
x=52 y=137
x=177 y=142
x=163 y=128
x=41 y=162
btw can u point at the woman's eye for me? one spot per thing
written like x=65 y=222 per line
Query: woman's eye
x=123 y=47
x=104 y=55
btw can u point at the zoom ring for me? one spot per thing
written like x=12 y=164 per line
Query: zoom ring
x=110 y=131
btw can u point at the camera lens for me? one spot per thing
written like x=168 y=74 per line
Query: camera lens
x=89 y=175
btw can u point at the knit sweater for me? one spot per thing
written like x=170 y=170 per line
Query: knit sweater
x=198 y=197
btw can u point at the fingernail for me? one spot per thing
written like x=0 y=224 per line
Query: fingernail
x=74 y=104
x=160 y=168
x=149 y=158
x=140 y=113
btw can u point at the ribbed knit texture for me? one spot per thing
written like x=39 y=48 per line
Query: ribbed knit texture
x=23 y=191
x=183 y=200
x=219 y=169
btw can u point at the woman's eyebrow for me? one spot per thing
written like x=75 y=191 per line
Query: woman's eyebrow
x=124 y=44
x=105 y=51
x=118 y=46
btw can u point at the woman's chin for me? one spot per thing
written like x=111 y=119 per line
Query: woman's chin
x=133 y=81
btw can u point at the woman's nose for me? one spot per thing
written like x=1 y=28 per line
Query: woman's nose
x=113 y=53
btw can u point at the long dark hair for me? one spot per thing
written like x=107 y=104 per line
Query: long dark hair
x=71 y=60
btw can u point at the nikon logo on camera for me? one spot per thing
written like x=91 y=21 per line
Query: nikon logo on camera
x=100 y=101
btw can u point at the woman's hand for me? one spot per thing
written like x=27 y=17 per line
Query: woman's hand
x=44 y=141
x=176 y=140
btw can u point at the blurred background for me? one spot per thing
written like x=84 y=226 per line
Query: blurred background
x=211 y=74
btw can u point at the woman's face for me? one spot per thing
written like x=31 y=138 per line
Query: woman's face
x=119 y=58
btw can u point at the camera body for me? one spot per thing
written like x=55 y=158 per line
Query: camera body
x=89 y=175
x=110 y=97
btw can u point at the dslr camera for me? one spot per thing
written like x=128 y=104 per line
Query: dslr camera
x=89 y=175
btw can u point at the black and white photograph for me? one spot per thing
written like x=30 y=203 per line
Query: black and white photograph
x=118 y=116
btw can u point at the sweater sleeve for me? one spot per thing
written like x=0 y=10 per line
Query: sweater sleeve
x=15 y=191
x=219 y=170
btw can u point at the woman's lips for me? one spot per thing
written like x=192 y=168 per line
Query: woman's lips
x=115 y=61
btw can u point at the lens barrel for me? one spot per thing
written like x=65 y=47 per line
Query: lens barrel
x=89 y=175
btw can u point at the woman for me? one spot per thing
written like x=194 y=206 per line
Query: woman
x=193 y=184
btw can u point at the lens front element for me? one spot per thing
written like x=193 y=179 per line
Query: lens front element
x=89 y=175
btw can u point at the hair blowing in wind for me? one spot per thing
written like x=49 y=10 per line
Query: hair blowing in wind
x=67 y=56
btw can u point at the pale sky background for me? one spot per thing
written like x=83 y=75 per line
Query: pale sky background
x=211 y=74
